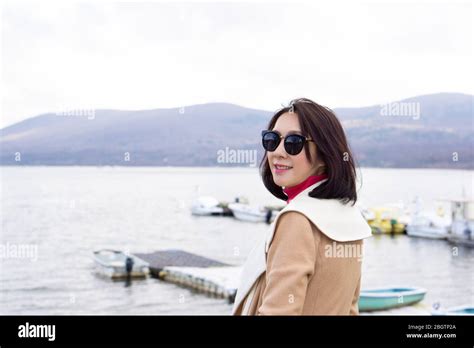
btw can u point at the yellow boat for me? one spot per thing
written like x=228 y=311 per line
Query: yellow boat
x=384 y=220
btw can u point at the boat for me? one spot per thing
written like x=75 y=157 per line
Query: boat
x=459 y=310
x=462 y=234
x=205 y=206
x=377 y=299
x=384 y=220
x=428 y=225
x=462 y=226
x=427 y=230
x=119 y=265
x=251 y=213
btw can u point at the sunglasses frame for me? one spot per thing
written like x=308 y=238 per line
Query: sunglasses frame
x=305 y=139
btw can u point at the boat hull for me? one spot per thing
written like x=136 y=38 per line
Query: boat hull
x=209 y=206
x=387 y=298
x=459 y=240
x=427 y=232
x=244 y=212
x=460 y=310
x=112 y=264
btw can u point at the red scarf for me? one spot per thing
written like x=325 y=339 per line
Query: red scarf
x=293 y=191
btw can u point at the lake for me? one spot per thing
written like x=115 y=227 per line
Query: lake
x=67 y=212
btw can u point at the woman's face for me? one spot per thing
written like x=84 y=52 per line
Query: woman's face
x=299 y=166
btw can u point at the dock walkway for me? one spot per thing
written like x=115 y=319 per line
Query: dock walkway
x=193 y=271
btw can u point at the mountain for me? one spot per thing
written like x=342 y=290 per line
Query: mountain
x=441 y=135
x=422 y=131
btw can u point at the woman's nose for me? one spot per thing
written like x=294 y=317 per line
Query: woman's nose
x=280 y=150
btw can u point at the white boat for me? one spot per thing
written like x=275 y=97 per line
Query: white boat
x=462 y=227
x=251 y=213
x=459 y=310
x=207 y=206
x=462 y=232
x=117 y=265
x=427 y=225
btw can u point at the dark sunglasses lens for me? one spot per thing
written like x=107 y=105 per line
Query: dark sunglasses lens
x=270 y=141
x=294 y=144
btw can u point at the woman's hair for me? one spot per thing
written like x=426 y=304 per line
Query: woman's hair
x=320 y=124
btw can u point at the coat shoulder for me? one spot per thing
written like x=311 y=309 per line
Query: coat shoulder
x=293 y=227
x=294 y=218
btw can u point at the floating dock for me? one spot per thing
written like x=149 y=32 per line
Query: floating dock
x=215 y=278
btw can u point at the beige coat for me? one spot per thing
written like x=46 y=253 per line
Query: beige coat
x=308 y=264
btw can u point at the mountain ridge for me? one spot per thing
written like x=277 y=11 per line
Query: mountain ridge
x=440 y=127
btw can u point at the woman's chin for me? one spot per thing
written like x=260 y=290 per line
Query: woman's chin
x=282 y=182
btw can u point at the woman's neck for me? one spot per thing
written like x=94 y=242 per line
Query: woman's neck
x=293 y=191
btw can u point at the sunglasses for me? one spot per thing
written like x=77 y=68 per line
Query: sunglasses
x=293 y=143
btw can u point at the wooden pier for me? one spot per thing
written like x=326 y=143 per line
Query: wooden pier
x=200 y=273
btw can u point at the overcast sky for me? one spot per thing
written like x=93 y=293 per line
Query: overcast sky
x=105 y=54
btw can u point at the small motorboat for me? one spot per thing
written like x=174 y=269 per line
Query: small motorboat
x=251 y=213
x=428 y=227
x=205 y=206
x=459 y=310
x=427 y=224
x=384 y=220
x=119 y=265
x=462 y=227
x=378 y=299
x=464 y=237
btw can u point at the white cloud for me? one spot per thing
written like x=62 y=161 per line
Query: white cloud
x=161 y=54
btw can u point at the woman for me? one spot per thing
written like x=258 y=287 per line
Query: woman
x=310 y=262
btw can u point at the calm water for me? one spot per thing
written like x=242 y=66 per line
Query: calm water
x=70 y=211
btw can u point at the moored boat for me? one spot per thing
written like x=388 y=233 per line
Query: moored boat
x=459 y=310
x=251 y=213
x=119 y=265
x=377 y=299
x=427 y=224
x=384 y=220
x=206 y=205
x=426 y=227
x=462 y=227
